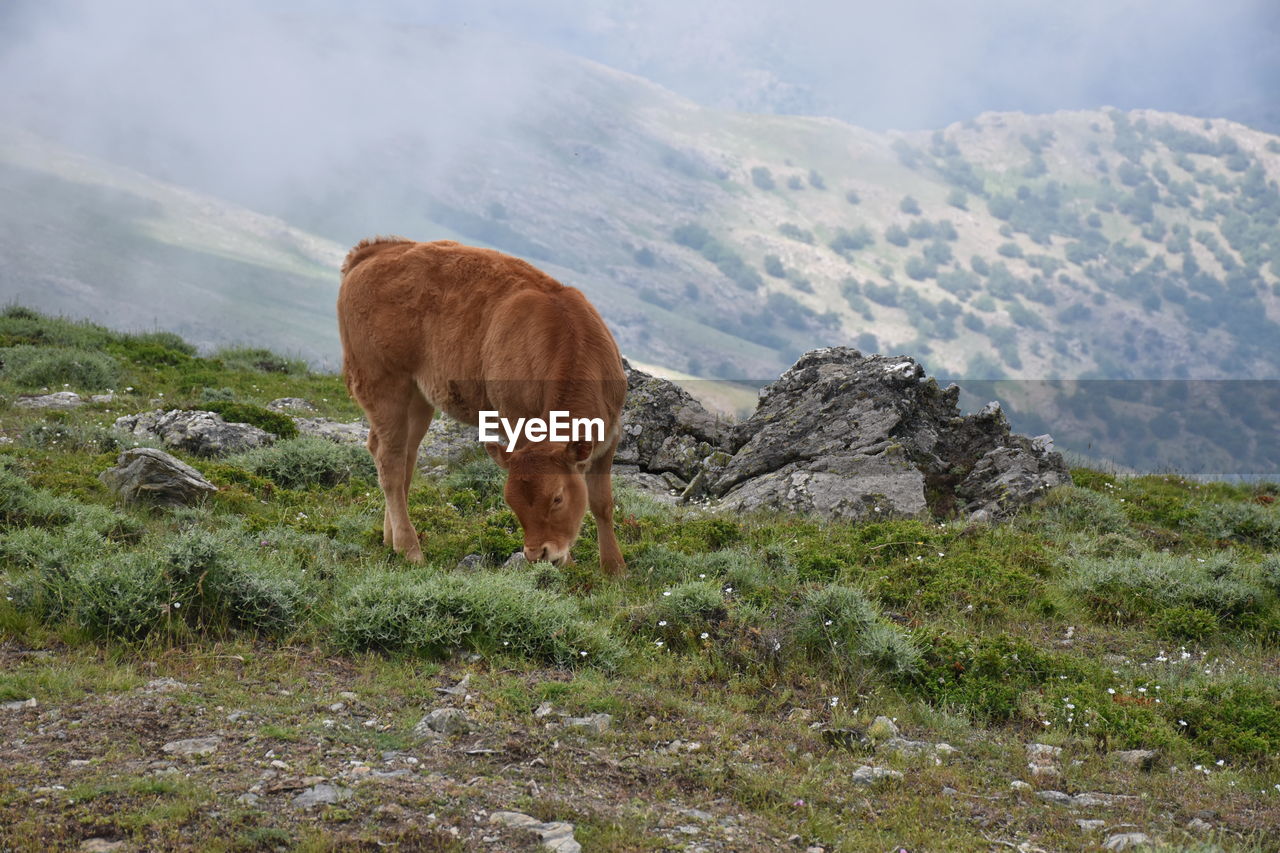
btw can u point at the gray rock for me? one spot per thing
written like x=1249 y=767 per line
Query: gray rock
x=193 y=746
x=354 y=432
x=290 y=404
x=1141 y=759
x=1090 y=825
x=556 y=835
x=664 y=429
x=1019 y=785
x=102 y=398
x=598 y=723
x=1084 y=800
x=908 y=747
x=20 y=704
x=1126 y=841
x=322 y=794
x=100 y=845
x=516 y=561
x=144 y=474
x=248 y=799
x=1198 y=825
x=57 y=400
x=652 y=485
x=882 y=729
x=163 y=685
x=847 y=436
x=471 y=562
x=868 y=775
x=444 y=721
x=201 y=433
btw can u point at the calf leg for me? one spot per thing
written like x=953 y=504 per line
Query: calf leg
x=419 y=421
x=388 y=435
x=600 y=499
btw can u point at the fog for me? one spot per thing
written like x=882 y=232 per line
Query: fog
x=248 y=99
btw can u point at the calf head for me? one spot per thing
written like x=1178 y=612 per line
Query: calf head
x=547 y=491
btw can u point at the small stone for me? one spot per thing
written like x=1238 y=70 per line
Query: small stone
x=150 y=475
x=1126 y=841
x=57 y=400
x=237 y=715
x=338 y=707
x=543 y=710
x=278 y=764
x=20 y=705
x=908 y=747
x=1019 y=785
x=516 y=561
x=100 y=845
x=321 y=795
x=1043 y=752
x=1044 y=771
x=598 y=723
x=945 y=750
x=164 y=685
x=390 y=811
x=248 y=799
x=348 y=695
x=1141 y=759
x=1198 y=825
x=1056 y=797
x=445 y=721
x=295 y=404
x=868 y=775
x=471 y=562
x=882 y=729
x=193 y=746
x=948 y=791
x=1090 y=825
x=556 y=836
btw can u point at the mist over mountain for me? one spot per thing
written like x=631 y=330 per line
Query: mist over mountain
x=718 y=237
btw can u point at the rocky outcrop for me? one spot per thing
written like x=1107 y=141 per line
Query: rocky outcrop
x=842 y=435
x=201 y=433
x=144 y=474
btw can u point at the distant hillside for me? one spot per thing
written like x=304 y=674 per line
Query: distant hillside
x=1087 y=244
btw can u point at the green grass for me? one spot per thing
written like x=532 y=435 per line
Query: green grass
x=1120 y=612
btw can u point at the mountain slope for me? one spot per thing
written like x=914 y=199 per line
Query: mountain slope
x=1086 y=244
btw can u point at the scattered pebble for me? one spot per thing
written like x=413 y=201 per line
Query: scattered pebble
x=193 y=746
x=20 y=704
x=598 y=723
x=1126 y=841
x=556 y=835
x=444 y=721
x=322 y=794
x=868 y=775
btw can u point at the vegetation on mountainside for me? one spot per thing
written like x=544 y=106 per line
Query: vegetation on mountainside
x=1123 y=612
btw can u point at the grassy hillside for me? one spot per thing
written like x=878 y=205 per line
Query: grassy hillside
x=742 y=660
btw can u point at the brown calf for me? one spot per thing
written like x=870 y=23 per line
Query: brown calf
x=441 y=326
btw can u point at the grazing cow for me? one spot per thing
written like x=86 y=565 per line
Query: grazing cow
x=442 y=326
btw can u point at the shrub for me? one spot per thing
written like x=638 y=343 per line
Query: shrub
x=795 y=232
x=30 y=366
x=681 y=615
x=839 y=624
x=1130 y=589
x=846 y=241
x=307 y=461
x=1232 y=719
x=1250 y=523
x=259 y=360
x=278 y=424
x=486 y=612
x=1084 y=509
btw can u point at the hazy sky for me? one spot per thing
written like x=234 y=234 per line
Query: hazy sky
x=907 y=64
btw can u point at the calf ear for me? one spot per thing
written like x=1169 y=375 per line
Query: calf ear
x=579 y=452
x=499 y=454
